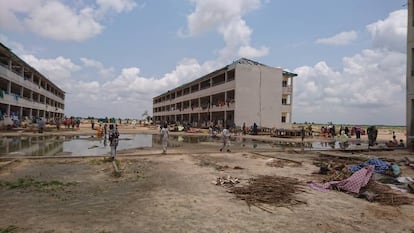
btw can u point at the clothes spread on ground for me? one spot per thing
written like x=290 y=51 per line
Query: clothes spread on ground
x=351 y=184
x=380 y=166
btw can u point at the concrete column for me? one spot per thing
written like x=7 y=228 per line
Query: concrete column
x=225 y=119
x=9 y=87
x=209 y=106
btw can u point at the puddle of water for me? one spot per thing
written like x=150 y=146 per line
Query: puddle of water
x=84 y=145
x=68 y=145
x=335 y=145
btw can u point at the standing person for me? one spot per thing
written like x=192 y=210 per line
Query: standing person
x=254 y=128
x=372 y=132
x=92 y=124
x=302 y=133
x=244 y=128
x=57 y=122
x=358 y=132
x=42 y=125
x=105 y=129
x=164 y=137
x=225 y=134
x=113 y=139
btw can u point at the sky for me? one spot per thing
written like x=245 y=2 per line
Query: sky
x=111 y=57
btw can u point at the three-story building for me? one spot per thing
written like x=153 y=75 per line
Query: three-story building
x=243 y=92
x=25 y=92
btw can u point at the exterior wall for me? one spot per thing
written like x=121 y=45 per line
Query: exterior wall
x=258 y=96
x=410 y=76
x=271 y=98
x=247 y=96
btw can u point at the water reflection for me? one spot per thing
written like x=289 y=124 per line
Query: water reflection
x=68 y=145
x=84 y=145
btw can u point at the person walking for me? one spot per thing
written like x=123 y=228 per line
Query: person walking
x=164 y=137
x=113 y=140
x=225 y=134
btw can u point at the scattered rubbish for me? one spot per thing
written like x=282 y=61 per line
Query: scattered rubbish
x=387 y=196
x=370 y=196
x=380 y=166
x=365 y=181
x=352 y=184
x=226 y=180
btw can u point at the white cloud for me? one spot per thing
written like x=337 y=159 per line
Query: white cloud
x=250 y=52
x=104 y=73
x=342 y=38
x=17 y=47
x=117 y=5
x=369 y=89
x=370 y=81
x=58 y=70
x=225 y=17
x=56 y=20
x=390 y=33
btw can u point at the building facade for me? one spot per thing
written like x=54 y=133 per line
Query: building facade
x=244 y=92
x=410 y=76
x=24 y=92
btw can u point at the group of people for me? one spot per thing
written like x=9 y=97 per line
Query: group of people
x=394 y=142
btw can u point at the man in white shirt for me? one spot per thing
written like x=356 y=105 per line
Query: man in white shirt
x=225 y=134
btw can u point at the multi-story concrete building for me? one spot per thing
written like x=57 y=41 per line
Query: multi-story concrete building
x=26 y=92
x=242 y=92
x=410 y=76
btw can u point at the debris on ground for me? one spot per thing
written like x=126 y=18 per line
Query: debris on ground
x=385 y=195
x=384 y=186
x=226 y=181
x=273 y=190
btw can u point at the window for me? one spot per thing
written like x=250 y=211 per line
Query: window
x=283 y=119
x=284 y=83
x=284 y=101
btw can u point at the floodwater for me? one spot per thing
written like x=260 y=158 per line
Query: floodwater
x=88 y=145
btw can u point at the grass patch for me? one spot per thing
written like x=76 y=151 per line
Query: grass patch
x=26 y=183
x=9 y=229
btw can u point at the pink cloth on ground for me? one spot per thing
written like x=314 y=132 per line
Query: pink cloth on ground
x=351 y=184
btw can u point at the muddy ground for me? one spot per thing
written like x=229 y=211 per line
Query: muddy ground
x=175 y=193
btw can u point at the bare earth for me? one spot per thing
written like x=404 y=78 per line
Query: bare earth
x=175 y=193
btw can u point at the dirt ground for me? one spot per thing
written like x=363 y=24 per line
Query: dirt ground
x=176 y=193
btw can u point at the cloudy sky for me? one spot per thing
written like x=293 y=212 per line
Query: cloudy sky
x=112 y=56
